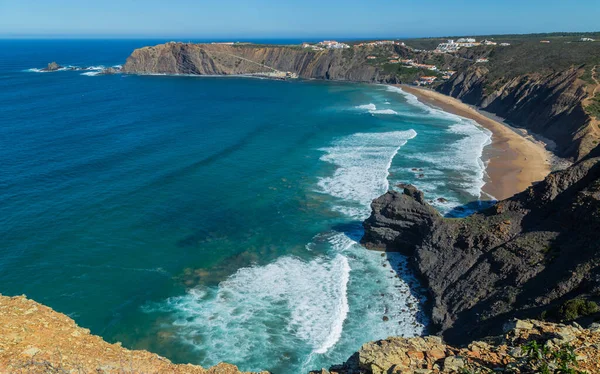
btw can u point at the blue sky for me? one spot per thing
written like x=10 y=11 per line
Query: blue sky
x=292 y=18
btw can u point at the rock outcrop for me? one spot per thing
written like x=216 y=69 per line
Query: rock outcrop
x=547 y=104
x=504 y=353
x=52 y=66
x=36 y=339
x=523 y=257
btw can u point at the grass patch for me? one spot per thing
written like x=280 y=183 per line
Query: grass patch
x=594 y=107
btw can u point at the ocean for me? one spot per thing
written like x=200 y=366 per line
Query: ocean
x=215 y=219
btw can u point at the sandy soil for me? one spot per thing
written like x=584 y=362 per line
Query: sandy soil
x=514 y=162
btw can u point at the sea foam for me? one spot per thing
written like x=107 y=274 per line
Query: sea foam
x=462 y=156
x=288 y=304
x=363 y=161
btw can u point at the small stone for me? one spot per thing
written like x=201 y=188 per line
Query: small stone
x=31 y=351
x=417 y=355
x=386 y=318
x=435 y=354
x=453 y=363
x=517 y=324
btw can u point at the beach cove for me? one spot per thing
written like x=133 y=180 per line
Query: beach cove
x=164 y=238
x=513 y=161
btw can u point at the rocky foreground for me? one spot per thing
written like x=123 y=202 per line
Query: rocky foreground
x=526 y=347
x=36 y=339
x=535 y=255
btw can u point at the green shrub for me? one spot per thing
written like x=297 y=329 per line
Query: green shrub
x=544 y=360
x=576 y=308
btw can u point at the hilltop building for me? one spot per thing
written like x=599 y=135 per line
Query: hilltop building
x=453 y=46
x=332 y=44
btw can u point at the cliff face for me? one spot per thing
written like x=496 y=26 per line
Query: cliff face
x=217 y=59
x=523 y=256
x=547 y=104
x=36 y=339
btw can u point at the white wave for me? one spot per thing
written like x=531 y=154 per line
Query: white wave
x=372 y=108
x=384 y=111
x=463 y=156
x=36 y=70
x=265 y=308
x=362 y=161
x=91 y=73
x=99 y=67
x=367 y=107
x=414 y=101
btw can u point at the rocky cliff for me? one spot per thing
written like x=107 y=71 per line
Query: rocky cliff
x=36 y=339
x=219 y=59
x=524 y=257
x=548 y=104
x=520 y=349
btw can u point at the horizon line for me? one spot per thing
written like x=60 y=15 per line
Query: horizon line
x=246 y=38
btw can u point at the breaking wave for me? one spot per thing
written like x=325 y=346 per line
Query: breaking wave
x=363 y=161
x=287 y=304
x=372 y=108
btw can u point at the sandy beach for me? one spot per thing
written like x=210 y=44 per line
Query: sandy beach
x=514 y=162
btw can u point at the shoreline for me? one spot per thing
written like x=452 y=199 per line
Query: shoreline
x=513 y=161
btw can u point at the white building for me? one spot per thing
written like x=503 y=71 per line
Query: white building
x=332 y=44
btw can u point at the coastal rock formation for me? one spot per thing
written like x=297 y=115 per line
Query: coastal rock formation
x=524 y=257
x=503 y=353
x=548 y=104
x=219 y=59
x=36 y=339
x=52 y=66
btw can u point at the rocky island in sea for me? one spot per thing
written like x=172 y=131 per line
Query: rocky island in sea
x=513 y=286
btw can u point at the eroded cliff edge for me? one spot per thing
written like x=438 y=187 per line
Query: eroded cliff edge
x=524 y=257
x=36 y=339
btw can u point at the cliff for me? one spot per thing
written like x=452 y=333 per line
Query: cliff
x=525 y=257
x=524 y=347
x=219 y=59
x=547 y=103
x=36 y=339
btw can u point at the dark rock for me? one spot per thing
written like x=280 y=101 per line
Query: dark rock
x=518 y=258
x=398 y=221
x=442 y=200
x=53 y=66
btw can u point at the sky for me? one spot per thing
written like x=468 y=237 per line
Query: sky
x=247 y=19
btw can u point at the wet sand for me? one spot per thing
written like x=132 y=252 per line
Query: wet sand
x=514 y=162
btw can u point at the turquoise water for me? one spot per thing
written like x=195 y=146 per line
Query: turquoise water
x=215 y=219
